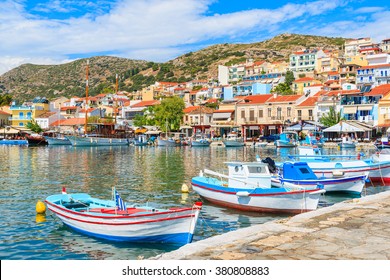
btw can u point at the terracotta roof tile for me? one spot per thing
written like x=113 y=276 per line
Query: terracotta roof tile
x=146 y=103
x=310 y=101
x=379 y=90
x=257 y=99
x=374 y=66
x=304 y=79
x=284 y=98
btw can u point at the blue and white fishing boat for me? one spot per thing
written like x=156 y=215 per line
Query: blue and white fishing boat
x=82 y=141
x=200 y=141
x=247 y=187
x=315 y=138
x=13 y=142
x=57 y=140
x=336 y=166
x=232 y=140
x=299 y=173
x=288 y=139
x=117 y=221
x=140 y=140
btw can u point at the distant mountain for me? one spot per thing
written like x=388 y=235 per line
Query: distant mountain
x=28 y=81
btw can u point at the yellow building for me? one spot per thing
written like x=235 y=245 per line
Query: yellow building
x=22 y=114
x=383 y=104
x=299 y=84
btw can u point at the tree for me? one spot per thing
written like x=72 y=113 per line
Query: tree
x=289 y=78
x=283 y=88
x=34 y=126
x=169 y=113
x=331 y=118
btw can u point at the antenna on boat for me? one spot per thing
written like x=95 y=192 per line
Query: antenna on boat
x=86 y=98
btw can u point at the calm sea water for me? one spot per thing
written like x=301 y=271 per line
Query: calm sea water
x=141 y=174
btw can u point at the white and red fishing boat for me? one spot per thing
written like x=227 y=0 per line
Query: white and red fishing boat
x=114 y=220
x=248 y=188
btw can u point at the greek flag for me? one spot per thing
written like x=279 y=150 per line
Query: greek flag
x=119 y=202
x=280 y=177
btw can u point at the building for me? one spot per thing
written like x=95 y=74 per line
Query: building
x=304 y=61
x=385 y=45
x=137 y=108
x=199 y=118
x=373 y=75
x=246 y=89
x=383 y=104
x=299 y=84
x=46 y=119
x=353 y=46
x=250 y=115
x=4 y=118
x=23 y=114
x=327 y=62
x=306 y=110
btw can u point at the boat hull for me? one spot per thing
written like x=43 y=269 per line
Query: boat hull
x=347 y=145
x=200 y=143
x=285 y=144
x=170 y=226
x=57 y=141
x=97 y=141
x=274 y=200
x=232 y=143
x=13 y=142
x=351 y=185
x=168 y=143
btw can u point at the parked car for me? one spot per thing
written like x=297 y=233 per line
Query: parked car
x=270 y=138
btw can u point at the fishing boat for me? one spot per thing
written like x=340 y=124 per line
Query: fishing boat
x=233 y=140
x=347 y=143
x=200 y=141
x=57 y=139
x=336 y=166
x=248 y=187
x=117 y=221
x=382 y=143
x=299 y=173
x=288 y=139
x=13 y=142
x=36 y=140
x=96 y=140
x=168 y=142
x=315 y=138
x=140 y=140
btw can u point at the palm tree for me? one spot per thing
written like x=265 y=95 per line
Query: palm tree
x=331 y=118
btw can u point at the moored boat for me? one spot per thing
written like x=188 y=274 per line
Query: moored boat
x=116 y=221
x=36 y=140
x=232 y=140
x=288 y=139
x=59 y=140
x=80 y=141
x=248 y=187
x=200 y=141
x=300 y=173
x=13 y=142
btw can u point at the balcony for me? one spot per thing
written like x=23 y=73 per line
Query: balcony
x=20 y=118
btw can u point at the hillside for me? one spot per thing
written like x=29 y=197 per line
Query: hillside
x=28 y=80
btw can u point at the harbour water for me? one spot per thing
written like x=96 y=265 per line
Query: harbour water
x=151 y=175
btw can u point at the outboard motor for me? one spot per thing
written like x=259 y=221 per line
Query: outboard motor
x=271 y=164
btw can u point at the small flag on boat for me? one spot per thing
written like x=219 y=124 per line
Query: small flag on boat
x=119 y=202
x=280 y=177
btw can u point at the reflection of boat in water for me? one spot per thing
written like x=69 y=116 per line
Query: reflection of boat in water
x=116 y=221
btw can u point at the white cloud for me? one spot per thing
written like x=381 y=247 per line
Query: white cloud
x=367 y=10
x=139 y=29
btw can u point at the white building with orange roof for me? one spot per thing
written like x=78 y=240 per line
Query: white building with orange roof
x=373 y=75
x=385 y=45
x=352 y=46
x=46 y=119
x=307 y=109
x=137 y=108
x=327 y=62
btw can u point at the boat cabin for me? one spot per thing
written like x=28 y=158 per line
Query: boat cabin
x=255 y=173
x=289 y=136
x=298 y=171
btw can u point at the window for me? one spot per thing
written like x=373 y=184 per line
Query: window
x=21 y=124
x=21 y=115
x=260 y=113
x=310 y=113
x=299 y=113
x=279 y=113
x=242 y=114
x=269 y=112
x=288 y=111
x=251 y=115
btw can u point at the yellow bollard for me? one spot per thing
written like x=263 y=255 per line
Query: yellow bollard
x=184 y=188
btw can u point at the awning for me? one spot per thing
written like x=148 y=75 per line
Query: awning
x=365 y=108
x=350 y=110
x=153 y=132
x=221 y=116
x=343 y=127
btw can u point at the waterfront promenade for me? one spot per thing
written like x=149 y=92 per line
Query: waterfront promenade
x=356 y=229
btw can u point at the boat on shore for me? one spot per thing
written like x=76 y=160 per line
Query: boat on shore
x=117 y=221
x=299 y=173
x=247 y=187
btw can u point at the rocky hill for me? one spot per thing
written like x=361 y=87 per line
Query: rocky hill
x=28 y=80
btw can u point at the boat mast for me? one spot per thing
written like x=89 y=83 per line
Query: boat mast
x=116 y=96
x=86 y=99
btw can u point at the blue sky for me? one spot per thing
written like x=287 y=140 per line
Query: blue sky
x=58 y=31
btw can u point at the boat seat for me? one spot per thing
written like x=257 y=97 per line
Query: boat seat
x=128 y=211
